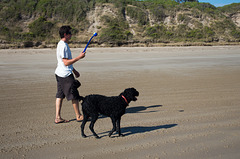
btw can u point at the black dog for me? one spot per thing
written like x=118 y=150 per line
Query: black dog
x=113 y=107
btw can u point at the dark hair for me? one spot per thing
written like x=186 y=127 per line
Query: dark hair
x=64 y=29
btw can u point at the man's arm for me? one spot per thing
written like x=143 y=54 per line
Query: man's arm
x=68 y=62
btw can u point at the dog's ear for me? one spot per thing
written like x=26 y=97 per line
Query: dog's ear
x=121 y=94
x=124 y=93
x=130 y=94
x=135 y=91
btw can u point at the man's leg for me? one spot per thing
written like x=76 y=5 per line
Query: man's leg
x=58 y=118
x=75 y=104
x=58 y=107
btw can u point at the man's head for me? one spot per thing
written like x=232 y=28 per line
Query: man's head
x=65 y=30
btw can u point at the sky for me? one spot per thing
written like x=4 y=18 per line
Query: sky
x=220 y=3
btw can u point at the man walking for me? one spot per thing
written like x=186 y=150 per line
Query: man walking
x=64 y=75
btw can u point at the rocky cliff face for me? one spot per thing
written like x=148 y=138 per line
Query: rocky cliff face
x=236 y=18
x=144 y=23
x=192 y=19
x=94 y=16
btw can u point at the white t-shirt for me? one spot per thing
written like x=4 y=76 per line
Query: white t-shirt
x=63 y=51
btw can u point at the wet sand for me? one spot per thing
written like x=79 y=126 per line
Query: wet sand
x=188 y=107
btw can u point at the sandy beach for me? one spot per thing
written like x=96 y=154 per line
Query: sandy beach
x=189 y=104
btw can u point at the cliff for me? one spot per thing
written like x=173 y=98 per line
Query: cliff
x=30 y=23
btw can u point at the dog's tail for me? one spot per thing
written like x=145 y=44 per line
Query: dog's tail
x=89 y=101
x=80 y=98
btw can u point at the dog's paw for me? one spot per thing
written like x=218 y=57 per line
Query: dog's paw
x=110 y=134
x=121 y=135
x=97 y=137
x=84 y=136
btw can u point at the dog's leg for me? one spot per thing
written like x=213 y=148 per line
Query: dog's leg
x=114 y=126
x=85 y=118
x=93 y=120
x=118 y=127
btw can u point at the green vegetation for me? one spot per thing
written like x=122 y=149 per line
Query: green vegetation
x=117 y=31
x=159 y=33
x=131 y=21
x=138 y=14
x=40 y=27
x=231 y=8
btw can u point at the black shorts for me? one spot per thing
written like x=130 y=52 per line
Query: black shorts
x=66 y=88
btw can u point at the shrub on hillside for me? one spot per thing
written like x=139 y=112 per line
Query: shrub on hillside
x=41 y=27
x=138 y=14
x=116 y=31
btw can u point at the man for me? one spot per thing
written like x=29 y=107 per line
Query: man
x=64 y=75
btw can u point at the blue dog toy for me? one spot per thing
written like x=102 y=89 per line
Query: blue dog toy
x=95 y=34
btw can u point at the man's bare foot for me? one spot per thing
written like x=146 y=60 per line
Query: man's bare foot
x=58 y=121
x=79 y=118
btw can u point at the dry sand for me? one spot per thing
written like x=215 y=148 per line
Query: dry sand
x=189 y=103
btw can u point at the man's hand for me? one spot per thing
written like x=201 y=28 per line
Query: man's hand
x=81 y=55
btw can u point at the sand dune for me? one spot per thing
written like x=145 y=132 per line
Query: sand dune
x=188 y=107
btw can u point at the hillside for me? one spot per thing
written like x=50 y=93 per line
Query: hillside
x=35 y=23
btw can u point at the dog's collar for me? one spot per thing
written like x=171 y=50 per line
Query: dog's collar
x=125 y=99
